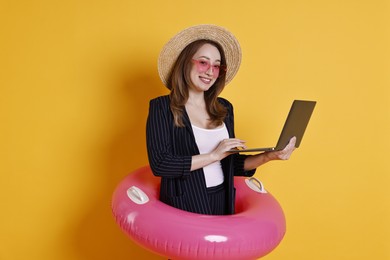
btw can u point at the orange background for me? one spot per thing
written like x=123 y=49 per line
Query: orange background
x=75 y=81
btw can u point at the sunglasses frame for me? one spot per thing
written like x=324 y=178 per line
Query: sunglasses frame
x=217 y=72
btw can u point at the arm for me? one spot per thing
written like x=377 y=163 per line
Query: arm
x=159 y=130
x=219 y=153
x=245 y=165
x=257 y=160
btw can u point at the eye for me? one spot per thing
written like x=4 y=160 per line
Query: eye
x=216 y=67
x=203 y=63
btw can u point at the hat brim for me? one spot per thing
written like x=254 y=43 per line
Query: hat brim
x=172 y=49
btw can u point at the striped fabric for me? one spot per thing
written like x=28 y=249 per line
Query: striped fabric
x=217 y=199
x=170 y=151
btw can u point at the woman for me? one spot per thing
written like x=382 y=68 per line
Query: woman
x=190 y=132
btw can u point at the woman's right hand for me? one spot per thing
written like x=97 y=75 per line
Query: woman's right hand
x=223 y=148
x=220 y=152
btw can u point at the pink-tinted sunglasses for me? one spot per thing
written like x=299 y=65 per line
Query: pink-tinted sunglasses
x=204 y=66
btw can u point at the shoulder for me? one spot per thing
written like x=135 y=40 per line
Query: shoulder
x=160 y=105
x=160 y=101
x=159 y=109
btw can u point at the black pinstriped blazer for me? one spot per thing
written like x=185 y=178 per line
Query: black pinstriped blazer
x=170 y=150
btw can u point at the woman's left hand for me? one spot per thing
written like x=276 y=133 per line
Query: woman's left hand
x=283 y=154
x=252 y=162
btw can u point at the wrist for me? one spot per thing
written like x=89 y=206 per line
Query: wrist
x=267 y=157
x=213 y=157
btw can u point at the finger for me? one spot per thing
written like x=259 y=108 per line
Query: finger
x=291 y=144
x=234 y=142
x=293 y=141
x=237 y=147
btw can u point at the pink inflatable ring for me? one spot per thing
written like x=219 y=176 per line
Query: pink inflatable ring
x=255 y=230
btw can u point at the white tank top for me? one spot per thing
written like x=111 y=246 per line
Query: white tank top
x=207 y=140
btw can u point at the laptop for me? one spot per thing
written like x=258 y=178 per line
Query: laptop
x=295 y=125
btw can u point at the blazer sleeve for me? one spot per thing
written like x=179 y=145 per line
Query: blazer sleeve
x=159 y=138
x=239 y=160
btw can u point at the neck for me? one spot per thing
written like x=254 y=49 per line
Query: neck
x=195 y=98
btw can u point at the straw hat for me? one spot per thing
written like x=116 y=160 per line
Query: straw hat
x=172 y=49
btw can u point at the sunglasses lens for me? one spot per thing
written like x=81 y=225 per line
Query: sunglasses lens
x=203 y=66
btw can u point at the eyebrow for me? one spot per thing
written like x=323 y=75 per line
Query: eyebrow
x=207 y=58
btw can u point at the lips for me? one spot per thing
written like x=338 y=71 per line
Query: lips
x=205 y=80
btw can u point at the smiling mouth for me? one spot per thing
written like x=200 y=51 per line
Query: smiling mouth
x=205 y=80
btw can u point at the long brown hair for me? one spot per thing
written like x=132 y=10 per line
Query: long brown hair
x=179 y=82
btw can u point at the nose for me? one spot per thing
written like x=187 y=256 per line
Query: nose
x=210 y=71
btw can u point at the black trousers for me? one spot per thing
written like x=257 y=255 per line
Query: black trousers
x=217 y=199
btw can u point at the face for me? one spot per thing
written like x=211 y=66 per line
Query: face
x=206 y=67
